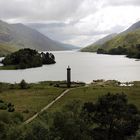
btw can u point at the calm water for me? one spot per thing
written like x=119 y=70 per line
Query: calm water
x=85 y=67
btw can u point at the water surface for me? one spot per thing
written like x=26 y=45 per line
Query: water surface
x=85 y=67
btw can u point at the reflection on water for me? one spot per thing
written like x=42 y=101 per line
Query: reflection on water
x=85 y=67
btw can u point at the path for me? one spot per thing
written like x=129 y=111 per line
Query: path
x=46 y=107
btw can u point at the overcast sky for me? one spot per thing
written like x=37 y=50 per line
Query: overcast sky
x=77 y=22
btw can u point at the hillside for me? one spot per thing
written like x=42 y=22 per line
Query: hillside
x=20 y=36
x=135 y=26
x=93 y=47
x=6 y=49
x=127 y=40
x=126 y=43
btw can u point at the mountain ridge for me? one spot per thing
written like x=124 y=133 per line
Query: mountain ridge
x=94 y=46
x=21 y=36
x=129 y=37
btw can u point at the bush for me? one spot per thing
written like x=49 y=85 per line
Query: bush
x=11 y=109
x=17 y=117
x=26 y=111
x=23 y=85
x=3 y=106
x=112 y=116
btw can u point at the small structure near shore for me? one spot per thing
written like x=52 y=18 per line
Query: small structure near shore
x=68 y=77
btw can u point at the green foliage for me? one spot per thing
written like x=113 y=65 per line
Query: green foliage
x=6 y=106
x=8 y=122
x=28 y=58
x=118 y=51
x=112 y=117
x=125 y=39
x=24 y=58
x=3 y=130
x=37 y=131
x=3 y=106
x=101 y=51
x=48 y=58
x=137 y=137
x=132 y=52
x=124 y=43
x=91 y=48
x=23 y=84
x=11 y=108
x=75 y=120
x=68 y=125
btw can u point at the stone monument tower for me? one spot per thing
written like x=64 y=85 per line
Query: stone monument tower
x=68 y=77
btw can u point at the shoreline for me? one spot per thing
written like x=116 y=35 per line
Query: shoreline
x=94 y=82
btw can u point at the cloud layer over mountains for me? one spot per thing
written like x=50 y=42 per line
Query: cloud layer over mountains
x=78 y=22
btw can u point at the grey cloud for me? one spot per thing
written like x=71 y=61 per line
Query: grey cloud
x=56 y=31
x=121 y=2
x=63 y=32
x=61 y=19
x=31 y=10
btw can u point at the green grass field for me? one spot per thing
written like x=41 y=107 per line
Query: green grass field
x=91 y=94
x=30 y=101
x=11 y=67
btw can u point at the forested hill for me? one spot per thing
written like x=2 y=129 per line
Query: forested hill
x=94 y=46
x=126 y=43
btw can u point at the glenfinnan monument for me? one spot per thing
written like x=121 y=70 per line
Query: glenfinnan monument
x=68 y=77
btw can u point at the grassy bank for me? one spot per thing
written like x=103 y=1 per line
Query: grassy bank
x=29 y=101
x=11 y=67
x=93 y=91
x=34 y=97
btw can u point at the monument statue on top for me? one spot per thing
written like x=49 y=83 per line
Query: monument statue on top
x=68 y=77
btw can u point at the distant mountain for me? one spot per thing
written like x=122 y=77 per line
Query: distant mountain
x=20 y=36
x=42 y=26
x=135 y=26
x=93 y=47
x=103 y=40
x=127 y=39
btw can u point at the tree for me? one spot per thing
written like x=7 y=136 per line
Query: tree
x=23 y=85
x=137 y=137
x=28 y=58
x=111 y=117
x=48 y=58
x=101 y=51
x=68 y=125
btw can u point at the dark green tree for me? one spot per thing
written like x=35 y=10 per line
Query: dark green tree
x=68 y=125
x=111 y=117
x=28 y=58
x=23 y=84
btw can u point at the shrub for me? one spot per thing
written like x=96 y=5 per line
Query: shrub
x=11 y=109
x=26 y=111
x=23 y=85
x=112 y=116
x=3 y=106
